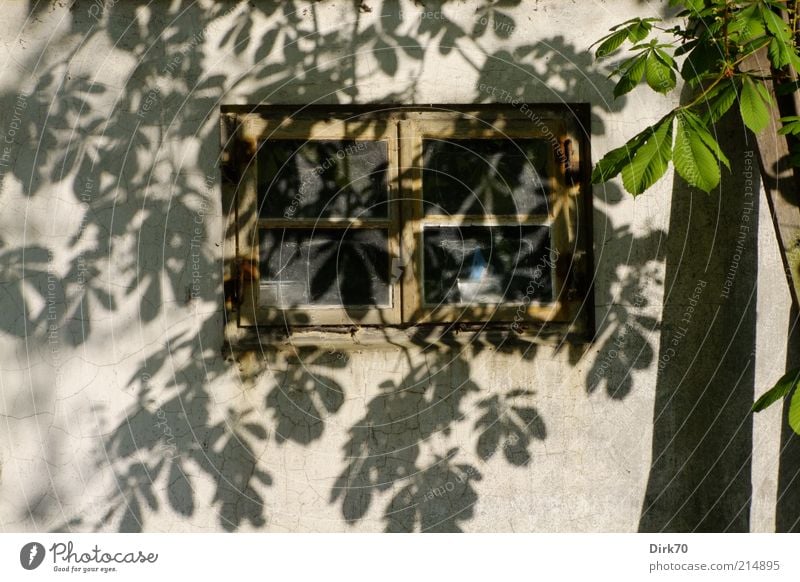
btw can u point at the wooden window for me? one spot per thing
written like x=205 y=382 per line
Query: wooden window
x=407 y=216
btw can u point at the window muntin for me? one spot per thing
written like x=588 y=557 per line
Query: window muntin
x=408 y=217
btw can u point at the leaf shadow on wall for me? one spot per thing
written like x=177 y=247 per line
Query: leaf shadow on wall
x=118 y=151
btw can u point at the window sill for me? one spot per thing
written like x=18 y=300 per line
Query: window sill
x=429 y=336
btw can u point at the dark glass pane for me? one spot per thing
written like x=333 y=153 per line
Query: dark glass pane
x=322 y=179
x=485 y=176
x=487 y=264
x=324 y=267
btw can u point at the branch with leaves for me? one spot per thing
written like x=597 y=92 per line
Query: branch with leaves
x=715 y=44
x=717 y=37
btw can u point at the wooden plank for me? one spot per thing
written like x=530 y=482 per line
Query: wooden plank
x=778 y=180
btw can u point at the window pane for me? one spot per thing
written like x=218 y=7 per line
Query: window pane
x=487 y=264
x=485 y=176
x=322 y=179
x=324 y=267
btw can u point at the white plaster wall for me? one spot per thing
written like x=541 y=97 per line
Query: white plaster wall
x=64 y=395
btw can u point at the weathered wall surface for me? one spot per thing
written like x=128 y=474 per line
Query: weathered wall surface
x=118 y=411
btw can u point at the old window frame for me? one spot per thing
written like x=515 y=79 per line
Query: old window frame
x=445 y=126
x=256 y=130
x=404 y=129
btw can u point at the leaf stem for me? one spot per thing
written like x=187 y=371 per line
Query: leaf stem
x=723 y=75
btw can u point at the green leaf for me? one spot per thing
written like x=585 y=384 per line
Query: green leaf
x=634 y=71
x=746 y=24
x=753 y=105
x=639 y=30
x=754 y=45
x=660 y=76
x=692 y=5
x=779 y=53
x=719 y=101
x=686 y=47
x=665 y=57
x=634 y=30
x=632 y=21
x=791 y=125
x=780 y=390
x=651 y=159
x=613 y=162
x=701 y=60
x=692 y=157
x=781 y=47
x=794 y=412
x=775 y=24
x=703 y=131
x=611 y=43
